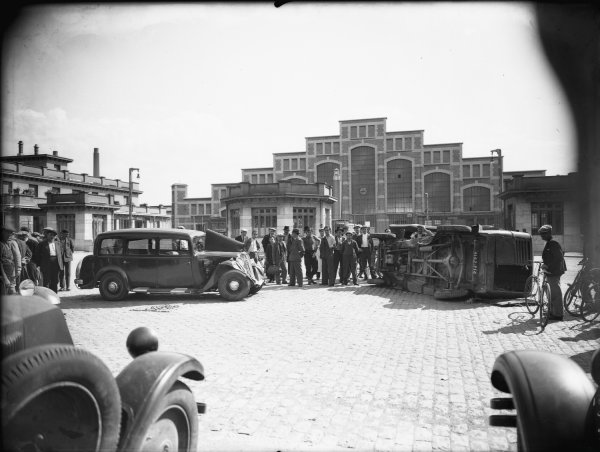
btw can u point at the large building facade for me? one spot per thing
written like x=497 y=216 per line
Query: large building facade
x=38 y=191
x=383 y=177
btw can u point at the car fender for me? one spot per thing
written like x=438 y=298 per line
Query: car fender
x=222 y=268
x=551 y=395
x=115 y=269
x=143 y=384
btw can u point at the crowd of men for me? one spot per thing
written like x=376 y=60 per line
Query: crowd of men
x=43 y=258
x=290 y=257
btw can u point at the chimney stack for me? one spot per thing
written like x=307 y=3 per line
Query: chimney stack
x=55 y=153
x=96 y=163
x=20 y=148
x=36 y=149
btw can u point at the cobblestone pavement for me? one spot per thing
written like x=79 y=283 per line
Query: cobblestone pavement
x=343 y=368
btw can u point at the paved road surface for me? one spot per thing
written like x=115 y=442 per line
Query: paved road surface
x=340 y=368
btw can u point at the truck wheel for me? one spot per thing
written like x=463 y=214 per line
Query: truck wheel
x=59 y=397
x=233 y=285
x=174 y=422
x=450 y=294
x=113 y=287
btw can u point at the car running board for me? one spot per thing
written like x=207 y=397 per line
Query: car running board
x=176 y=290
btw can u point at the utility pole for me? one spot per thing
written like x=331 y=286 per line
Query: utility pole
x=501 y=183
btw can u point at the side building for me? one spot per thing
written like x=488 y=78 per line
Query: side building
x=38 y=191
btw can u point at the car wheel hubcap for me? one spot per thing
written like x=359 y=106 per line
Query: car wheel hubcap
x=113 y=287
x=234 y=285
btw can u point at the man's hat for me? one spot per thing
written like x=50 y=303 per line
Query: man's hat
x=64 y=231
x=7 y=228
x=25 y=228
x=51 y=230
x=364 y=227
x=307 y=228
x=272 y=230
x=296 y=231
x=22 y=234
x=243 y=230
x=357 y=226
x=349 y=232
x=286 y=228
x=545 y=228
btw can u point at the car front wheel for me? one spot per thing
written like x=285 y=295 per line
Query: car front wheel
x=113 y=287
x=233 y=285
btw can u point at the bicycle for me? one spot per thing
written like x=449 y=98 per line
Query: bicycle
x=572 y=300
x=537 y=295
x=590 y=294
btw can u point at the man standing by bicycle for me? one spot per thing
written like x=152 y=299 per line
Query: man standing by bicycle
x=554 y=266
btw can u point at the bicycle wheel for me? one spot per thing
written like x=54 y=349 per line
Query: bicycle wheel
x=572 y=300
x=531 y=293
x=590 y=306
x=544 y=305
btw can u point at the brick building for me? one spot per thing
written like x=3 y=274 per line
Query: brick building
x=38 y=190
x=531 y=202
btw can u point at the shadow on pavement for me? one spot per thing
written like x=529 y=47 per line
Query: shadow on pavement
x=133 y=300
x=584 y=360
x=586 y=332
x=521 y=323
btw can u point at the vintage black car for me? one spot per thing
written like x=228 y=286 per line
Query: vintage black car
x=168 y=261
x=59 y=397
x=457 y=261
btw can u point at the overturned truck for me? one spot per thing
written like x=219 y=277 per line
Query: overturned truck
x=456 y=262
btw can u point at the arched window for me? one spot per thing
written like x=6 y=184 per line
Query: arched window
x=295 y=180
x=325 y=172
x=437 y=187
x=476 y=199
x=399 y=186
x=363 y=179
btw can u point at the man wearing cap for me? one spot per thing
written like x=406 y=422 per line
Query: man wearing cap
x=356 y=232
x=295 y=255
x=318 y=254
x=349 y=253
x=48 y=255
x=554 y=266
x=311 y=246
x=267 y=238
x=242 y=237
x=326 y=249
x=252 y=246
x=68 y=248
x=7 y=263
x=365 y=243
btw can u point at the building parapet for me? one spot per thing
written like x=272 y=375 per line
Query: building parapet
x=246 y=189
x=66 y=175
x=520 y=184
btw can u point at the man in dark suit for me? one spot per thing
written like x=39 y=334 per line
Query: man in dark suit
x=365 y=243
x=242 y=237
x=48 y=255
x=68 y=248
x=327 y=248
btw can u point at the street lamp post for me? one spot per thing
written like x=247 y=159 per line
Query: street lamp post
x=427 y=208
x=501 y=183
x=131 y=170
x=338 y=188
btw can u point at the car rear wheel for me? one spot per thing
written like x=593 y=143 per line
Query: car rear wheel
x=233 y=285
x=59 y=397
x=175 y=422
x=113 y=287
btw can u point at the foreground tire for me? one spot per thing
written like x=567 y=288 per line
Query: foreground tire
x=450 y=294
x=572 y=301
x=590 y=306
x=233 y=285
x=59 y=398
x=531 y=294
x=174 y=424
x=113 y=287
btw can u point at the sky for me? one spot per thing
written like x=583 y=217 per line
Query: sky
x=192 y=93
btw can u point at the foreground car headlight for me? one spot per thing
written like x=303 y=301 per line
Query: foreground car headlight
x=27 y=287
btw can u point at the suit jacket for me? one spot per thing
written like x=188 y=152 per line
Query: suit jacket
x=248 y=242
x=359 y=241
x=325 y=249
x=295 y=250
x=552 y=256
x=42 y=254
x=240 y=239
x=68 y=247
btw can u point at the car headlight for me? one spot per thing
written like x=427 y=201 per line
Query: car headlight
x=27 y=287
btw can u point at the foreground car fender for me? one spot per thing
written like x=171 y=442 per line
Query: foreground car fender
x=143 y=386
x=552 y=397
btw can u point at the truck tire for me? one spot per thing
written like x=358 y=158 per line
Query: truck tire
x=59 y=397
x=234 y=285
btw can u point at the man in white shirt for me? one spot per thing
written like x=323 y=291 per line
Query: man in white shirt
x=253 y=246
x=365 y=243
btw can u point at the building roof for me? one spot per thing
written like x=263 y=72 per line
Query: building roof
x=362 y=120
x=32 y=158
